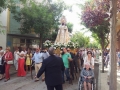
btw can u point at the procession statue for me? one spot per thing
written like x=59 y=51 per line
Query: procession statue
x=63 y=34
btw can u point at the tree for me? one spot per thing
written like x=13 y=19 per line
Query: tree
x=96 y=19
x=1 y=30
x=79 y=38
x=6 y=4
x=113 y=70
x=42 y=19
x=2 y=5
x=70 y=27
x=93 y=44
x=95 y=16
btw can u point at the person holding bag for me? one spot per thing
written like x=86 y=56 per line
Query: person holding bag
x=8 y=57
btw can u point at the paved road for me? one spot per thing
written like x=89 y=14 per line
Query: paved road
x=26 y=83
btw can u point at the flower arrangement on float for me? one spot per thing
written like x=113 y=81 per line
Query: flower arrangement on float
x=62 y=46
x=71 y=45
x=47 y=43
x=59 y=46
x=76 y=45
x=56 y=46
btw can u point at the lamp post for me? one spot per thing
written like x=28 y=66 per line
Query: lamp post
x=113 y=67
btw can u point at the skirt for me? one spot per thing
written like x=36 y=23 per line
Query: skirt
x=87 y=80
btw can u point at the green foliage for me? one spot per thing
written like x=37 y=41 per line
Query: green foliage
x=70 y=27
x=41 y=18
x=2 y=5
x=94 y=44
x=81 y=39
x=54 y=35
x=96 y=19
x=1 y=30
x=7 y=4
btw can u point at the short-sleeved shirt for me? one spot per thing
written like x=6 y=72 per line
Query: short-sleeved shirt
x=65 y=59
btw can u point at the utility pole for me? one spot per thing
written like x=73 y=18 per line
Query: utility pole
x=113 y=65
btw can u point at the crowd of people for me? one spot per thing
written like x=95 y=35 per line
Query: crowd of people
x=106 y=55
x=68 y=63
x=22 y=60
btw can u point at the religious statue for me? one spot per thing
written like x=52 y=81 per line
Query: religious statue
x=63 y=34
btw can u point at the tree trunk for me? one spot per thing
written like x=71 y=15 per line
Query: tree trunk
x=41 y=41
x=102 y=59
x=113 y=73
x=102 y=45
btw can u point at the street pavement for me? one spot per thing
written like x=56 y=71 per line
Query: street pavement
x=26 y=83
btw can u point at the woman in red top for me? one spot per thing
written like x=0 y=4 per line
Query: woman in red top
x=21 y=61
x=7 y=57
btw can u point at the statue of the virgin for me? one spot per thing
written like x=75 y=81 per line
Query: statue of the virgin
x=63 y=34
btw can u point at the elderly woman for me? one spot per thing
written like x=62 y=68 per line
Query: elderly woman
x=7 y=57
x=87 y=74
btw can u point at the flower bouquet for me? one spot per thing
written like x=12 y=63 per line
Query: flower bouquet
x=56 y=46
x=71 y=45
x=62 y=46
x=76 y=45
x=47 y=44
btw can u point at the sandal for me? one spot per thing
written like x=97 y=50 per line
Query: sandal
x=35 y=77
x=36 y=80
x=6 y=80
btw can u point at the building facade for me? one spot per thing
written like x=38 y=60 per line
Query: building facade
x=15 y=38
x=10 y=34
x=3 y=29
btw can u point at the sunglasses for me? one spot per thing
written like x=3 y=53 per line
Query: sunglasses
x=89 y=53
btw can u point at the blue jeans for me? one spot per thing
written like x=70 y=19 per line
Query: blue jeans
x=66 y=73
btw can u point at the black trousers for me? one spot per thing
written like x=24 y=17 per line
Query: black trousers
x=2 y=69
x=57 y=87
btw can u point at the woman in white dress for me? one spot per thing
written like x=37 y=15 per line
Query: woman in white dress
x=16 y=56
x=89 y=59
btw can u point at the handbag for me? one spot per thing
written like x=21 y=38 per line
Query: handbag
x=10 y=62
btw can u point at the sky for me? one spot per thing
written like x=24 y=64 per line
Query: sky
x=73 y=16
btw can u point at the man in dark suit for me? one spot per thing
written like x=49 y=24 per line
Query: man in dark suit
x=53 y=67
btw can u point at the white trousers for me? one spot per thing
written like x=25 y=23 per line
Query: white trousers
x=16 y=64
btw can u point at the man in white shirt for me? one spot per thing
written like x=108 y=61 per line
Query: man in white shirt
x=45 y=54
x=38 y=59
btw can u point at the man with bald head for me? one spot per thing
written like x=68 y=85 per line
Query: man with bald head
x=53 y=67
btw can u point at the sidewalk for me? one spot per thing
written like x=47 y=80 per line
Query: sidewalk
x=103 y=80
x=12 y=70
